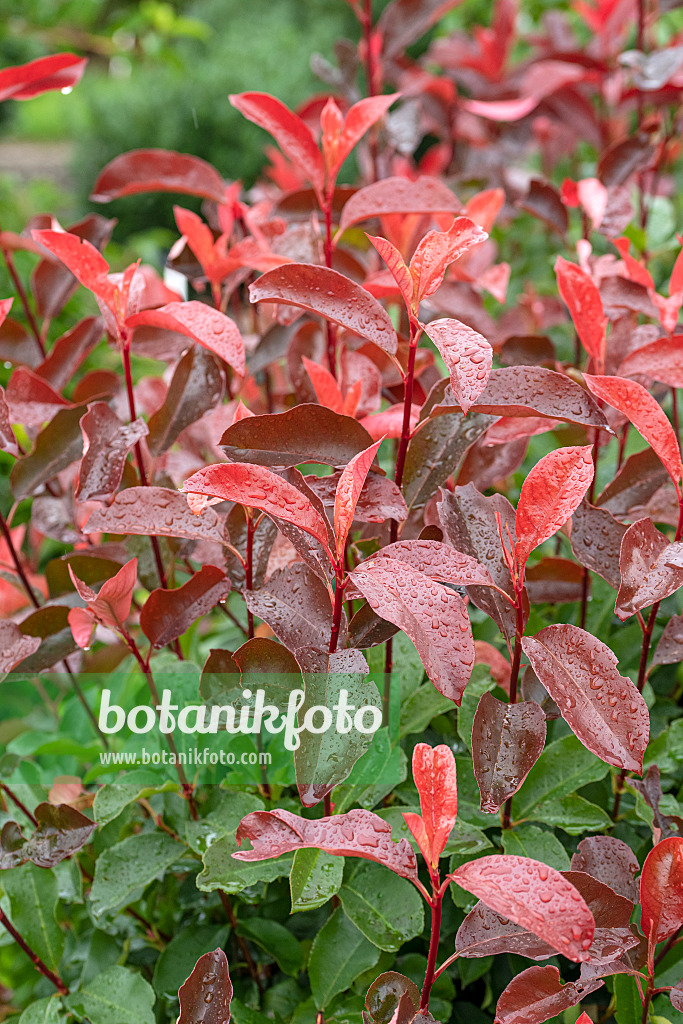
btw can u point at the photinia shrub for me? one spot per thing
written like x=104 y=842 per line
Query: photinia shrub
x=398 y=458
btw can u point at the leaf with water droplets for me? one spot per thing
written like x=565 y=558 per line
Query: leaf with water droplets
x=157 y=170
x=296 y=605
x=61 y=831
x=439 y=561
x=641 y=475
x=484 y=932
x=167 y=614
x=596 y=541
x=328 y=294
x=646 y=576
x=156 y=511
x=258 y=487
x=205 y=996
x=379 y=498
x=661 y=890
x=582 y=298
x=434 y=775
x=397 y=266
x=550 y=495
x=662 y=360
x=107 y=442
x=507 y=740
x=386 y=993
x=437 y=250
x=537 y=994
x=85 y=262
x=196 y=387
x=357 y=833
x=467 y=355
x=14 y=646
x=207 y=326
x=534 y=896
x=611 y=861
x=32 y=401
x=669 y=650
x=537 y=391
x=398 y=195
x=603 y=708
x=646 y=415
x=348 y=492
x=434 y=618
x=56 y=71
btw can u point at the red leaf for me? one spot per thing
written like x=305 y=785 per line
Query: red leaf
x=360 y=117
x=330 y=295
x=661 y=891
x=293 y=135
x=507 y=740
x=106 y=445
x=205 y=996
x=5 y=306
x=379 y=499
x=8 y=442
x=296 y=605
x=348 y=491
x=645 y=414
x=389 y=423
x=603 y=708
x=398 y=195
x=550 y=495
x=404 y=21
x=437 y=250
x=596 y=541
x=167 y=614
x=358 y=833
x=31 y=400
x=111 y=606
x=582 y=298
x=662 y=360
x=501 y=110
x=209 y=327
x=157 y=170
x=537 y=391
x=58 y=71
x=438 y=561
x=467 y=355
x=15 y=646
x=325 y=386
x=636 y=271
x=646 y=575
x=534 y=896
x=537 y=994
x=611 y=861
x=486 y=933
x=258 y=487
x=434 y=618
x=156 y=511
x=86 y=263
x=397 y=266
x=434 y=775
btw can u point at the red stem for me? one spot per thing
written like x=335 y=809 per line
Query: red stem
x=514 y=677
x=249 y=570
x=17 y=803
x=330 y=329
x=586 y=572
x=23 y=297
x=33 y=957
x=436 y=903
x=339 y=586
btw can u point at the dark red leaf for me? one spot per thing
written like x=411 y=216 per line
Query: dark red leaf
x=404 y=21
x=611 y=861
x=662 y=360
x=536 y=391
x=534 y=896
x=596 y=541
x=305 y=433
x=196 y=387
x=157 y=170
x=467 y=355
x=646 y=576
x=544 y=202
x=205 y=996
x=14 y=646
x=8 y=442
x=550 y=495
x=357 y=833
x=156 y=511
x=332 y=296
x=624 y=157
x=669 y=650
x=58 y=71
x=296 y=605
x=31 y=400
x=385 y=994
x=661 y=890
x=603 y=708
x=436 y=450
x=554 y=581
x=537 y=994
x=645 y=414
x=379 y=499
x=107 y=442
x=203 y=324
x=507 y=740
x=61 y=831
x=398 y=195
x=583 y=301
x=434 y=775
x=69 y=351
x=608 y=908
x=484 y=932
x=650 y=788
x=438 y=561
x=167 y=614
x=641 y=475
x=434 y=618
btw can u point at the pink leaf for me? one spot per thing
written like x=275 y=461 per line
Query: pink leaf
x=325 y=386
x=662 y=360
x=209 y=327
x=434 y=774
x=86 y=263
x=603 y=708
x=438 y=561
x=398 y=195
x=534 y=896
x=397 y=266
x=348 y=492
x=661 y=890
x=582 y=298
x=551 y=494
x=467 y=355
x=646 y=415
x=437 y=250
x=82 y=623
x=157 y=170
x=258 y=487
x=5 y=306
x=58 y=71
x=330 y=295
x=293 y=135
x=389 y=422
x=358 y=833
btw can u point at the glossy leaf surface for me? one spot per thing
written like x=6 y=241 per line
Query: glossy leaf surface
x=507 y=740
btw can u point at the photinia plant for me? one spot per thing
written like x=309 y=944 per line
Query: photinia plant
x=408 y=442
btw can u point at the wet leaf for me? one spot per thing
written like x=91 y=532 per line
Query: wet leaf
x=196 y=388
x=58 y=71
x=156 y=511
x=536 y=391
x=661 y=890
x=348 y=492
x=205 y=996
x=434 y=775
x=207 y=326
x=582 y=298
x=507 y=740
x=467 y=355
x=61 y=832
x=398 y=195
x=57 y=446
x=296 y=605
x=167 y=614
x=538 y=994
x=596 y=538
x=107 y=442
x=646 y=575
x=157 y=170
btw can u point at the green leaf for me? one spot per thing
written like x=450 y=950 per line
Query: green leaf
x=33 y=898
x=338 y=955
x=421 y=707
x=315 y=877
x=563 y=767
x=572 y=814
x=43 y=1011
x=111 y=799
x=123 y=872
x=222 y=821
x=385 y=908
x=179 y=957
x=276 y=940
x=119 y=996
x=530 y=841
x=222 y=872
x=629 y=1006
x=373 y=776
